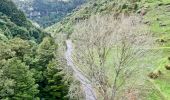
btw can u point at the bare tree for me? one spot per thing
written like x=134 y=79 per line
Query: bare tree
x=110 y=53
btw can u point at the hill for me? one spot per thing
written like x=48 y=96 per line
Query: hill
x=155 y=15
x=14 y=21
x=48 y=12
x=94 y=7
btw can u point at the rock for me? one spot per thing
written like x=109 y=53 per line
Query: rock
x=143 y=12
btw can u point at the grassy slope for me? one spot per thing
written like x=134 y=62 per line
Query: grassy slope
x=91 y=8
x=158 y=19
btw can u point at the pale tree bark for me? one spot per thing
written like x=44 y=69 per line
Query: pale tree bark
x=110 y=53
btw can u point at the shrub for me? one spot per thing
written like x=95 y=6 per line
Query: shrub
x=155 y=75
x=167 y=67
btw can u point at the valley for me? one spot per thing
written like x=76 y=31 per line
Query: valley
x=85 y=50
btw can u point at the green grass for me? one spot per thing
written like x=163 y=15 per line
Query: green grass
x=163 y=81
x=158 y=17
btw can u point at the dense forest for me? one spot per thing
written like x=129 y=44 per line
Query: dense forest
x=28 y=69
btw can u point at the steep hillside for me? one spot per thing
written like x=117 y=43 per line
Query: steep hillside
x=142 y=7
x=155 y=15
x=48 y=12
x=28 y=70
x=157 y=18
x=94 y=7
x=15 y=24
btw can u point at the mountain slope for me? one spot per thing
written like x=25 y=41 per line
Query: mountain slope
x=157 y=18
x=155 y=14
x=14 y=21
x=48 y=12
x=94 y=7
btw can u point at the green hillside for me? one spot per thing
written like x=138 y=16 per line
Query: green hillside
x=157 y=18
x=94 y=7
x=147 y=7
x=28 y=70
x=155 y=14
x=47 y=12
x=14 y=23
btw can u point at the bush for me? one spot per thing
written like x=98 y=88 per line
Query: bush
x=155 y=75
x=167 y=67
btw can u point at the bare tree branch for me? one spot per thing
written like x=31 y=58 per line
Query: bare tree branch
x=108 y=50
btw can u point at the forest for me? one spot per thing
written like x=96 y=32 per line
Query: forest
x=28 y=68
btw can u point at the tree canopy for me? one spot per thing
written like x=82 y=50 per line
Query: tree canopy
x=28 y=70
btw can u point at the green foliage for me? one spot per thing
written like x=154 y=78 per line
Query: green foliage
x=13 y=23
x=5 y=51
x=56 y=88
x=29 y=70
x=10 y=30
x=21 y=48
x=13 y=48
x=20 y=32
x=46 y=51
x=52 y=86
x=3 y=37
x=26 y=53
x=17 y=81
x=8 y=7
